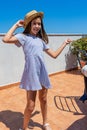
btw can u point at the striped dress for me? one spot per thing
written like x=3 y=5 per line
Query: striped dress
x=35 y=74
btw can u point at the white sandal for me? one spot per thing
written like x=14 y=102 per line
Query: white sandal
x=47 y=126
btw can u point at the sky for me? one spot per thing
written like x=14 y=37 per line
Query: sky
x=60 y=16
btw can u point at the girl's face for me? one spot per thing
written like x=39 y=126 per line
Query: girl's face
x=35 y=26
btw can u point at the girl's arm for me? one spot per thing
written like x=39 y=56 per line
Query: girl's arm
x=9 y=37
x=56 y=53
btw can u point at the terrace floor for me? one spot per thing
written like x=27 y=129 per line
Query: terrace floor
x=65 y=111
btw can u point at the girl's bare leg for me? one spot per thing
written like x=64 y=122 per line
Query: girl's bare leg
x=43 y=104
x=31 y=96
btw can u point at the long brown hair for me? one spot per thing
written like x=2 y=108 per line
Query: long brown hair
x=41 y=34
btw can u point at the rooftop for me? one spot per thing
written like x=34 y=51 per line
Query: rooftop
x=65 y=111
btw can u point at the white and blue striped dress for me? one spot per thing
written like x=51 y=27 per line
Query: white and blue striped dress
x=35 y=74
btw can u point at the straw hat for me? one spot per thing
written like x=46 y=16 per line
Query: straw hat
x=30 y=16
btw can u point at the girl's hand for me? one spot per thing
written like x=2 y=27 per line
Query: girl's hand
x=20 y=23
x=68 y=41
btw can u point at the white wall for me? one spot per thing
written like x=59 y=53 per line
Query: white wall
x=12 y=59
x=65 y=60
x=11 y=63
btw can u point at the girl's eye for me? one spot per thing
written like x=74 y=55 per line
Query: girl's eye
x=34 y=23
x=37 y=24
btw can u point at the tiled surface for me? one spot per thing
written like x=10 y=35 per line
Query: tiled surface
x=65 y=111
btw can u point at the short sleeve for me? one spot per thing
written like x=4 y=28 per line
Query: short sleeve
x=21 y=39
x=45 y=46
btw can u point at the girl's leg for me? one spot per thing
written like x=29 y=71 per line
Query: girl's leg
x=31 y=96
x=43 y=103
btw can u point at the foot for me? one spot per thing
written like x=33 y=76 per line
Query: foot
x=83 y=98
x=46 y=127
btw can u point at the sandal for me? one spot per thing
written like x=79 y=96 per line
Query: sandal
x=46 y=127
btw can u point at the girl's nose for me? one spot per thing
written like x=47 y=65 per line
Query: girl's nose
x=37 y=25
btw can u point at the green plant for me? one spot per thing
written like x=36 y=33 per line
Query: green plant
x=79 y=48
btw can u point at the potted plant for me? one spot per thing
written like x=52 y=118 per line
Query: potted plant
x=79 y=48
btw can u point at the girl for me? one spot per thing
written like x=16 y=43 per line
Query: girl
x=35 y=77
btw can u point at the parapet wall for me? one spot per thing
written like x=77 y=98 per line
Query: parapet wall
x=12 y=59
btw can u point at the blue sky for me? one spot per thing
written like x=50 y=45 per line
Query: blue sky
x=60 y=16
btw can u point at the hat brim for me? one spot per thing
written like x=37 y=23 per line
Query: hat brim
x=30 y=18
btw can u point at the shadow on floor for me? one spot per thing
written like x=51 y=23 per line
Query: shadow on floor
x=14 y=120
x=70 y=104
x=74 y=105
x=79 y=124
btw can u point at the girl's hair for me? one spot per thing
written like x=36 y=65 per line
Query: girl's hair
x=41 y=34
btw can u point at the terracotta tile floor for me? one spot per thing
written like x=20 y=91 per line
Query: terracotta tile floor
x=65 y=111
